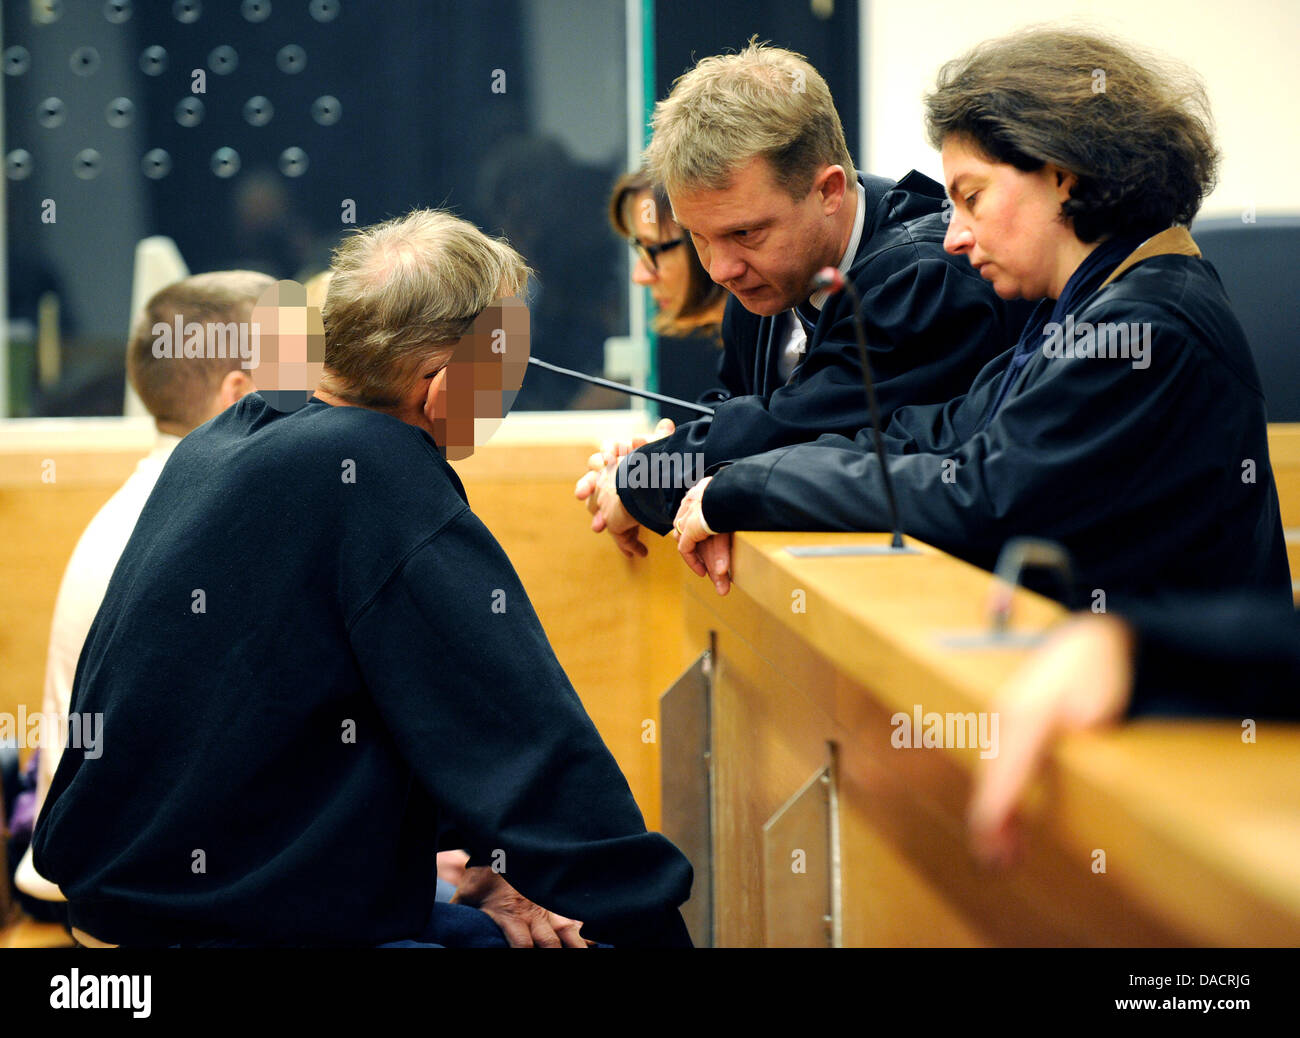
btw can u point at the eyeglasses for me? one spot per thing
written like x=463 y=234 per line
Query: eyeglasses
x=650 y=253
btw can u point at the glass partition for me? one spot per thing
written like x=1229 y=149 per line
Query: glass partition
x=254 y=134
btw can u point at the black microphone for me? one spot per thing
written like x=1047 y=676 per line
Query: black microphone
x=830 y=279
x=595 y=380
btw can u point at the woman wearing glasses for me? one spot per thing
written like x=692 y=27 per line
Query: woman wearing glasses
x=688 y=302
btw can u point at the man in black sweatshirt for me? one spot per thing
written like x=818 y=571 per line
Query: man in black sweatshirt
x=312 y=658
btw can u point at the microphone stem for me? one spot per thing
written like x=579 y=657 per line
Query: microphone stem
x=874 y=408
x=595 y=380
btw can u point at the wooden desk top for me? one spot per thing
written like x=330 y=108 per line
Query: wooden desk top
x=1215 y=821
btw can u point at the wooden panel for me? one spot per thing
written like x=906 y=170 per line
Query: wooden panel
x=888 y=900
x=28 y=933
x=54 y=476
x=39 y=527
x=801 y=867
x=34 y=470
x=908 y=878
x=1201 y=827
x=686 y=767
x=1201 y=833
x=1284 y=455
x=768 y=737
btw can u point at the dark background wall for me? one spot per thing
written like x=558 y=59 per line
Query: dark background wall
x=686 y=32
x=420 y=126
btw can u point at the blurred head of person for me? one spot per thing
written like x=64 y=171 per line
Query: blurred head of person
x=402 y=296
x=688 y=301
x=316 y=286
x=751 y=152
x=183 y=388
x=291 y=345
x=1055 y=140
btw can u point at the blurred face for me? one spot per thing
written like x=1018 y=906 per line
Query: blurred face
x=460 y=394
x=758 y=242
x=481 y=380
x=668 y=279
x=1007 y=222
x=291 y=337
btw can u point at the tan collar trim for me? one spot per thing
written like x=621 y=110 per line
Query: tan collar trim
x=1173 y=241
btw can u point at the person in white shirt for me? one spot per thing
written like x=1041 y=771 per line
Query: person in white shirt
x=181 y=392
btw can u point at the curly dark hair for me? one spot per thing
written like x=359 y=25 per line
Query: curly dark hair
x=1136 y=131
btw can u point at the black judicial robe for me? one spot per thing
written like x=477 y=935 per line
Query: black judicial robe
x=930 y=321
x=311 y=659
x=1232 y=654
x=1155 y=478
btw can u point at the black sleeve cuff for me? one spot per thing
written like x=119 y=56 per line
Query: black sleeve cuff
x=1226 y=656
x=733 y=500
x=646 y=506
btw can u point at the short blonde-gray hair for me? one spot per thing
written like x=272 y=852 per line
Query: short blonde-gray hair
x=402 y=288
x=730 y=108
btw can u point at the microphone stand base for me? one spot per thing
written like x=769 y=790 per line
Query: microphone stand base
x=820 y=551
x=993 y=640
